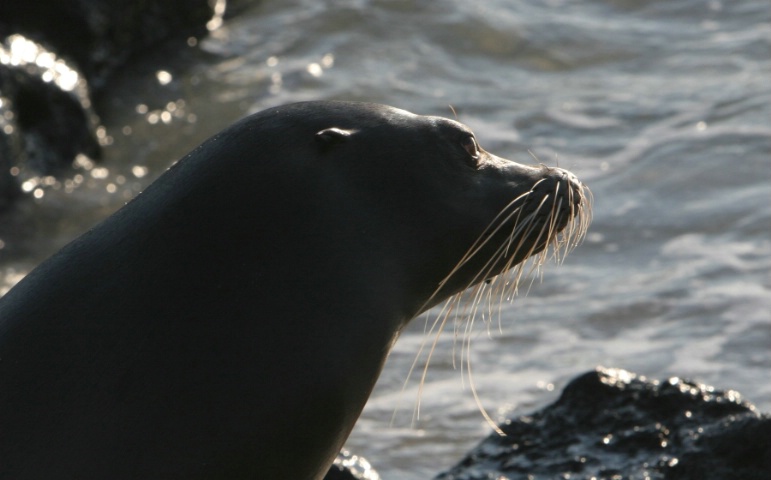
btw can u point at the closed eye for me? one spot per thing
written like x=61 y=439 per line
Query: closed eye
x=470 y=145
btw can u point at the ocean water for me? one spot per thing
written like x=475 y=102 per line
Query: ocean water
x=663 y=108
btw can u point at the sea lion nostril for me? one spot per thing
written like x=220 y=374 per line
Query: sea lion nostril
x=557 y=198
x=563 y=174
x=571 y=184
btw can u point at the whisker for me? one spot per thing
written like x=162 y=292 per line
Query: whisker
x=567 y=217
x=475 y=394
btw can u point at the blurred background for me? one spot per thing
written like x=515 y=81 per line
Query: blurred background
x=663 y=108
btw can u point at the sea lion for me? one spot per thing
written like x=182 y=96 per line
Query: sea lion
x=236 y=314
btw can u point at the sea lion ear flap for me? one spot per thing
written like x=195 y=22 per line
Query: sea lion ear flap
x=333 y=136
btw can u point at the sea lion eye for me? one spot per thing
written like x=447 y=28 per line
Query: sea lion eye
x=470 y=145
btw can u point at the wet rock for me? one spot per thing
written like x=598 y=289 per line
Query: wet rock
x=44 y=126
x=47 y=117
x=9 y=189
x=100 y=35
x=612 y=424
x=351 y=467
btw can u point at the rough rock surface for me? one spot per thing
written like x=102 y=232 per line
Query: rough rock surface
x=100 y=35
x=44 y=124
x=612 y=424
x=351 y=467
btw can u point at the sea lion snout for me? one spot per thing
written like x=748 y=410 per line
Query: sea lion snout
x=566 y=175
x=561 y=183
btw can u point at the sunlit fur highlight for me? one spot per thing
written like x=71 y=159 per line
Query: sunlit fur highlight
x=505 y=285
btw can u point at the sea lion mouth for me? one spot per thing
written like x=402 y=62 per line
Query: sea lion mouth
x=551 y=205
x=546 y=222
x=555 y=212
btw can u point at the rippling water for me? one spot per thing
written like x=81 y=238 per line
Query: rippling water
x=662 y=107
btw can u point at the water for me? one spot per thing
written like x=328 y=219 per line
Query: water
x=662 y=107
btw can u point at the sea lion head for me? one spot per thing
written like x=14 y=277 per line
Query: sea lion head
x=437 y=212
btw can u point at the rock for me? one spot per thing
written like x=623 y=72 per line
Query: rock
x=97 y=36
x=55 y=59
x=351 y=467
x=44 y=125
x=612 y=424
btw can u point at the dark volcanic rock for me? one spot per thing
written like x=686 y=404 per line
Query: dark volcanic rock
x=351 y=467
x=45 y=124
x=48 y=125
x=612 y=424
x=99 y=35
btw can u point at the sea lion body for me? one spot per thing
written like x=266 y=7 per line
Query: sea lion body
x=234 y=317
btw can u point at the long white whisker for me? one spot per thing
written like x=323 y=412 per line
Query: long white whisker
x=553 y=227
